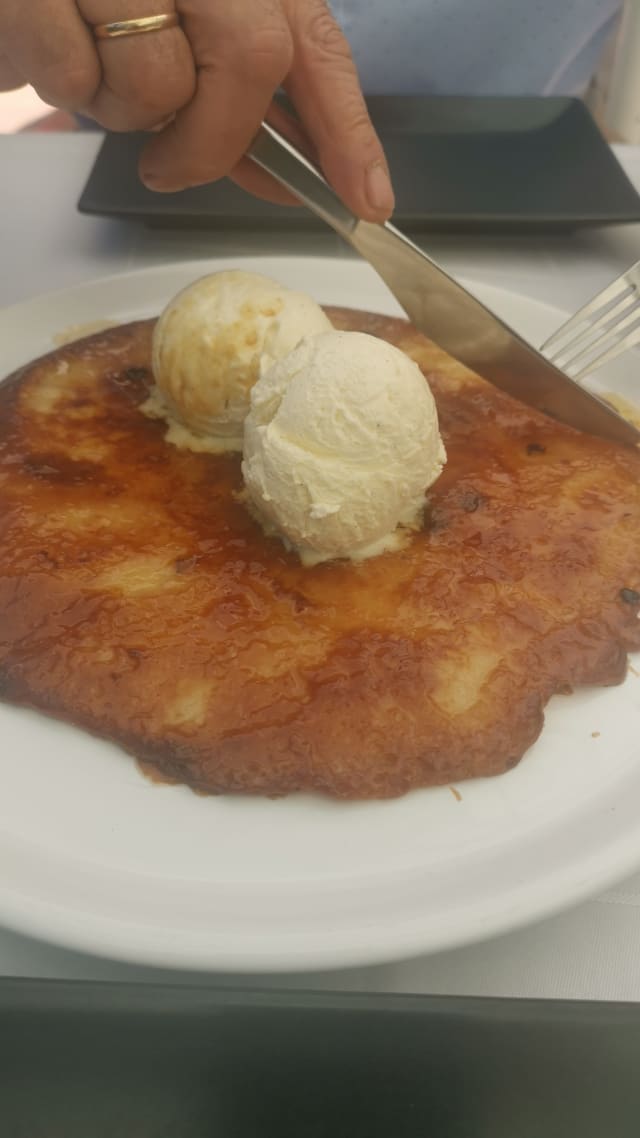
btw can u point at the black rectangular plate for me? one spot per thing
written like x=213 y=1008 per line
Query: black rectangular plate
x=88 y=1060
x=458 y=164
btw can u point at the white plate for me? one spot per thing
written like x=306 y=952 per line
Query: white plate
x=93 y=856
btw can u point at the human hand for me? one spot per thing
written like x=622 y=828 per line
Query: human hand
x=211 y=81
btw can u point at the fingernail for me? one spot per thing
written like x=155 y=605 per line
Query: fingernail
x=378 y=189
x=158 y=183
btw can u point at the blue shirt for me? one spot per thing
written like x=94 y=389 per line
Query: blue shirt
x=476 y=47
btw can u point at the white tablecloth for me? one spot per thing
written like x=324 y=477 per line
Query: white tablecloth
x=591 y=952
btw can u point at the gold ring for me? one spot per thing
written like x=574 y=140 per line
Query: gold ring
x=136 y=27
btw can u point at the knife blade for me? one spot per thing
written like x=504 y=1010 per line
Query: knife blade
x=440 y=307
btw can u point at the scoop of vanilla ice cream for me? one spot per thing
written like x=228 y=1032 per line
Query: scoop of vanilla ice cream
x=209 y=344
x=341 y=443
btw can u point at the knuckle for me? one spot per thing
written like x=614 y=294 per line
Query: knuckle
x=70 y=87
x=140 y=105
x=268 y=50
x=324 y=35
x=356 y=120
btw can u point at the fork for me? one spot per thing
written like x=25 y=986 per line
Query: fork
x=602 y=329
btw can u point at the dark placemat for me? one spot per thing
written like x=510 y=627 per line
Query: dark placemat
x=458 y=164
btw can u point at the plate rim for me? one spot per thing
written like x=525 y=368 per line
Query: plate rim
x=89 y=935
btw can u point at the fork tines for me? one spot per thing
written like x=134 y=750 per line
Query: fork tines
x=604 y=328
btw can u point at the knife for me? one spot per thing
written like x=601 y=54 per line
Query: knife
x=441 y=308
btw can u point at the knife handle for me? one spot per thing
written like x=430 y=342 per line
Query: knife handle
x=280 y=158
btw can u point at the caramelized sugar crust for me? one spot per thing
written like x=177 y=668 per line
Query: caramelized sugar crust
x=140 y=600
